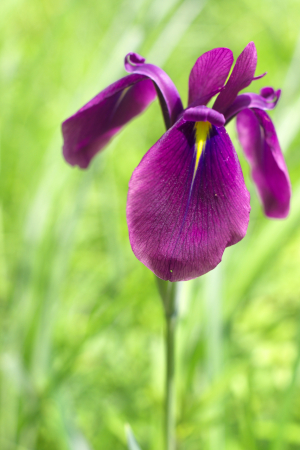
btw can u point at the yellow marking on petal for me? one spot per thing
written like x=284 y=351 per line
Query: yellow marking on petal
x=202 y=130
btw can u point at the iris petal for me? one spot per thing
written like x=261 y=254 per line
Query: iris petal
x=91 y=128
x=169 y=98
x=180 y=220
x=241 y=76
x=209 y=74
x=267 y=101
x=261 y=147
x=204 y=114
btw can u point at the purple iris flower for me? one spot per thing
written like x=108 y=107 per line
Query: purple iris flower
x=187 y=199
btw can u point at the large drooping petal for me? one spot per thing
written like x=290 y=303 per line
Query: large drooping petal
x=250 y=100
x=187 y=201
x=91 y=128
x=259 y=141
x=169 y=98
x=241 y=76
x=209 y=74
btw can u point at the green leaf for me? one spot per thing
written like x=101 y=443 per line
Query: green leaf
x=131 y=441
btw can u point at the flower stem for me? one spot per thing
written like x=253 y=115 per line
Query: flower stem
x=168 y=294
x=170 y=383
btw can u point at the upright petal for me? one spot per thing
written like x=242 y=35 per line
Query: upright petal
x=241 y=76
x=261 y=147
x=92 y=127
x=209 y=74
x=187 y=201
x=169 y=98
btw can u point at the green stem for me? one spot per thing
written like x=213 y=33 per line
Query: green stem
x=170 y=383
x=168 y=294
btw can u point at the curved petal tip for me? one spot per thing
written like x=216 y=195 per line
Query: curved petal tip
x=133 y=59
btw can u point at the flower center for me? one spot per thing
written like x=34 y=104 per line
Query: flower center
x=202 y=130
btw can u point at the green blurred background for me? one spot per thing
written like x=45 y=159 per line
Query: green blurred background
x=81 y=350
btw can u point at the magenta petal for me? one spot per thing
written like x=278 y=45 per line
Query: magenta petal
x=169 y=98
x=168 y=95
x=261 y=147
x=241 y=76
x=209 y=74
x=204 y=114
x=91 y=128
x=259 y=76
x=265 y=102
x=269 y=93
x=180 y=221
